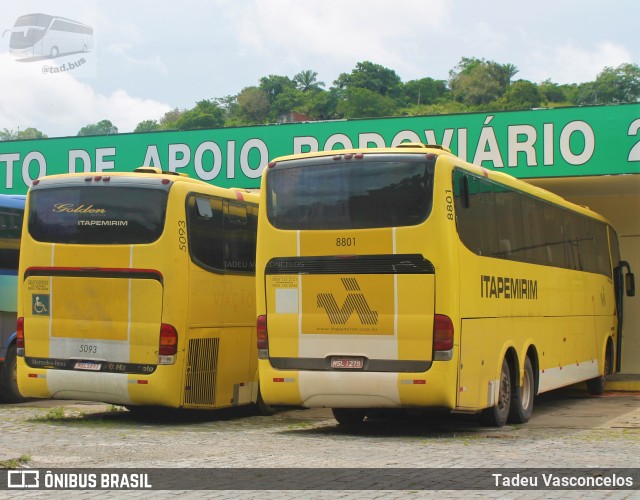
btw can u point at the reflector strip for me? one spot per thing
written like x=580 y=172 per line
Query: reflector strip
x=37 y=375
x=283 y=379
x=414 y=382
x=141 y=382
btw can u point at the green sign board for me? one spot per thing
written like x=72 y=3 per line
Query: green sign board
x=539 y=143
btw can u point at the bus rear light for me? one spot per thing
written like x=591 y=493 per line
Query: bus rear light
x=168 y=344
x=442 y=338
x=262 y=337
x=20 y=337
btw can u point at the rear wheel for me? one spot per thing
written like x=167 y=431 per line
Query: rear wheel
x=263 y=408
x=522 y=400
x=595 y=386
x=349 y=416
x=497 y=415
x=9 y=392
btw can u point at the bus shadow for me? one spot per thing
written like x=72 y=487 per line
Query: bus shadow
x=564 y=411
x=385 y=424
x=120 y=416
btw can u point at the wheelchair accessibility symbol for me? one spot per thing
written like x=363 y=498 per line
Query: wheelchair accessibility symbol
x=40 y=304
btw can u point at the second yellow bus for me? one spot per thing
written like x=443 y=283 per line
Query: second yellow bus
x=408 y=278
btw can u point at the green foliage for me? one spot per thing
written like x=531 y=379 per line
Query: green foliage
x=424 y=91
x=478 y=82
x=373 y=77
x=371 y=90
x=103 y=127
x=253 y=105
x=612 y=86
x=521 y=95
x=306 y=81
x=147 y=126
x=28 y=133
x=206 y=114
x=365 y=103
x=168 y=121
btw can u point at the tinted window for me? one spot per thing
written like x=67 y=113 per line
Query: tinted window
x=505 y=223
x=10 y=228
x=97 y=215
x=222 y=233
x=314 y=194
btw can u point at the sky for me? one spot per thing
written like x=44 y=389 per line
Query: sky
x=149 y=57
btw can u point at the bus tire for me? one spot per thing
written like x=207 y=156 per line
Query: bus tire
x=9 y=392
x=522 y=397
x=54 y=52
x=497 y=415
x=263 y=408
x=595 y=386
x=349 y=416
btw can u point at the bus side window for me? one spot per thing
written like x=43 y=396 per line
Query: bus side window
x=206 y=232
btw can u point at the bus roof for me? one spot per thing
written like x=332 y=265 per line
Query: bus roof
x=151 y=173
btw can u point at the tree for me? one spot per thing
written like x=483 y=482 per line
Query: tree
x=205 y=114
x=253 y=105
x=286 y=102
x=424 y=91
x=365 y=103
x=476 y=82
x=19 y=135
x=169 y=119
x=306 y=81
x=274 y=85
x=373 y=77
x=8 y=135
x=147 y=126
x=551 y=92
x=522 y=95
x=103 y=127
x=618 y=85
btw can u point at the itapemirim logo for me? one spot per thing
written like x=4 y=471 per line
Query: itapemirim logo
x=354 y=302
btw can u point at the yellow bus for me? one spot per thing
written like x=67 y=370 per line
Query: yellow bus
x=138 y=289
x=407 y=278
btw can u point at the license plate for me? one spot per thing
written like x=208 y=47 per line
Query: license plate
x=347 y=363
x=88 y=365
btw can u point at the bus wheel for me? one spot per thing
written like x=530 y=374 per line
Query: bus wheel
x=9 y=392
x=263 y=408
x=54 y=52
x=349 y=416
x=497 y=415
x=522 y=401
x=595 y=386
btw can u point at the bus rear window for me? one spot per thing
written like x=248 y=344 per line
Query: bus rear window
x=370 y=193
x=97 y=215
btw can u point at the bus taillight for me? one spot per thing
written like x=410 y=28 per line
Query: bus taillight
x=20 y=337
x=263 y=337
x=442 y=338
x=168 y=345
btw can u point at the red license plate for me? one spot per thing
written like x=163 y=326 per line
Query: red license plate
x=347 y=363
